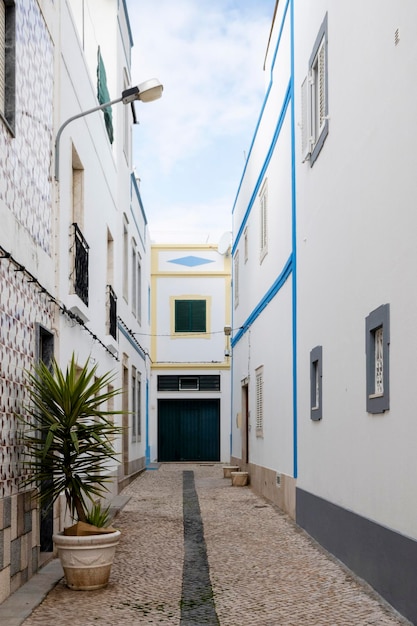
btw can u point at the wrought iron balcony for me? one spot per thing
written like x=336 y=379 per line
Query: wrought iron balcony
x=80 y=265
x=111 y=312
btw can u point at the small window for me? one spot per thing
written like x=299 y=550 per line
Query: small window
x=316 y=375
x=189 y=383
x=125 y=258
x=8 y=63
x=263 y=226
x=136 y=402
x=190 y=316
x=246 y=243
x=259 y=401
x=377 y=360
x=314 y=99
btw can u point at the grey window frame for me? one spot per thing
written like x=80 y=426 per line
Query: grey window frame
x=316 y=375
x=320 y=139
x=378 y=318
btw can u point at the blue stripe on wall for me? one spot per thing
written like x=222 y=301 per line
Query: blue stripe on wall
x=268 y=157
x=294 y=254
x=270 y=294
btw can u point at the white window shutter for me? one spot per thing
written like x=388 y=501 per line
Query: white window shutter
x=305 y=126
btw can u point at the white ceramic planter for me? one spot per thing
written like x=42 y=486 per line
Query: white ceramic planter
x=87 y=560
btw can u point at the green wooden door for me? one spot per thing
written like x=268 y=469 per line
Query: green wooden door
x=189 y=430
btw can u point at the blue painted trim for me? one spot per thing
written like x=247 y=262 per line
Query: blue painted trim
x=147 y=448
x=268 y=157
x=264 y=103
x=270 y=294
x=294 y=253
x=131 y=341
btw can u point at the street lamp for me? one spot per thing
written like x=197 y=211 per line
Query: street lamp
x=148 y=91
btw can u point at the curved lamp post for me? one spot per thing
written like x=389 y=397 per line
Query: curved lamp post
x=146 y=92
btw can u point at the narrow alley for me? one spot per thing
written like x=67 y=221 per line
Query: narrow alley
x=196 y=550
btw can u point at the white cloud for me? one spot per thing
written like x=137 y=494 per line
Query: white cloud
x=209 y=55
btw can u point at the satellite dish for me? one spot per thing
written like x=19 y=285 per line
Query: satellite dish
x=225 y=242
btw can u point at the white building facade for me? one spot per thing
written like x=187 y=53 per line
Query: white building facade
x=324 y=300
x=190 y=383
x=74 y=249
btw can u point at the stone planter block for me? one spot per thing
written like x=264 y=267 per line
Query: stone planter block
x=227 y=470
x=240 y=479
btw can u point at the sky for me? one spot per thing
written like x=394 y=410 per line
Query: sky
x=190 y=146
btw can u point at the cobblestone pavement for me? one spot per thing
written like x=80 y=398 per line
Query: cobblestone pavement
x=264 y=571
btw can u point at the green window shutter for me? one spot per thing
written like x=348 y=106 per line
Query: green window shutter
x=190 y=316
x=103 y=95
x=198 y=317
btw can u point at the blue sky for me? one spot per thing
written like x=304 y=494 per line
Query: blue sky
x=189 y=149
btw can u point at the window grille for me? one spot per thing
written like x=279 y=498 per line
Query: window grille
x=207 y=382
x=259 y=402
x=80 y=265
x=112 y=311
x=379 y=361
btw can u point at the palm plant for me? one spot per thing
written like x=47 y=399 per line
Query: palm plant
x=68 y=434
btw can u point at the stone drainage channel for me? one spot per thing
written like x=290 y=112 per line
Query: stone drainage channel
x=197 y=603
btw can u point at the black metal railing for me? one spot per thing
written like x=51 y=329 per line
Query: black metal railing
x=112 y=311
x=80 y=265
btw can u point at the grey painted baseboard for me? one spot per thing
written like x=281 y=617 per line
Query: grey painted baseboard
x=380 y=556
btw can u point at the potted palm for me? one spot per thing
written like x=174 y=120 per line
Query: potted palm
x=68 y=441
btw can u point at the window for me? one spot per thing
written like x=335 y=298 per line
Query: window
x=136 y=283
x=111 y=312
x=314 y=99
x=263 y=205
x=134 y=278
x=8 y=63
x=189 y=383
x=80 y=271
x=377 y=360
x=190 y=316
x=246 y=243
x=136 y=399
x=206 y=382
x=316 y=374
x=259 y=401
x=127 y=125
x=103 y=95
x=236 y=279
x=125 y=258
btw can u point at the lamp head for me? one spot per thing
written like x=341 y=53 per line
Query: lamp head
x=147 y=92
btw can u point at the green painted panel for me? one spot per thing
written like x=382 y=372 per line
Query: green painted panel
x=189 y=430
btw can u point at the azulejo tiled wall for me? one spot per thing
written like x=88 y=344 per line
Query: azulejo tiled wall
x=25 y=160
x=26 y=204
x=22 y=307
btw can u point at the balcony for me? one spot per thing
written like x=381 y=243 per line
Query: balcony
x=80 y=274
x=111 y=312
